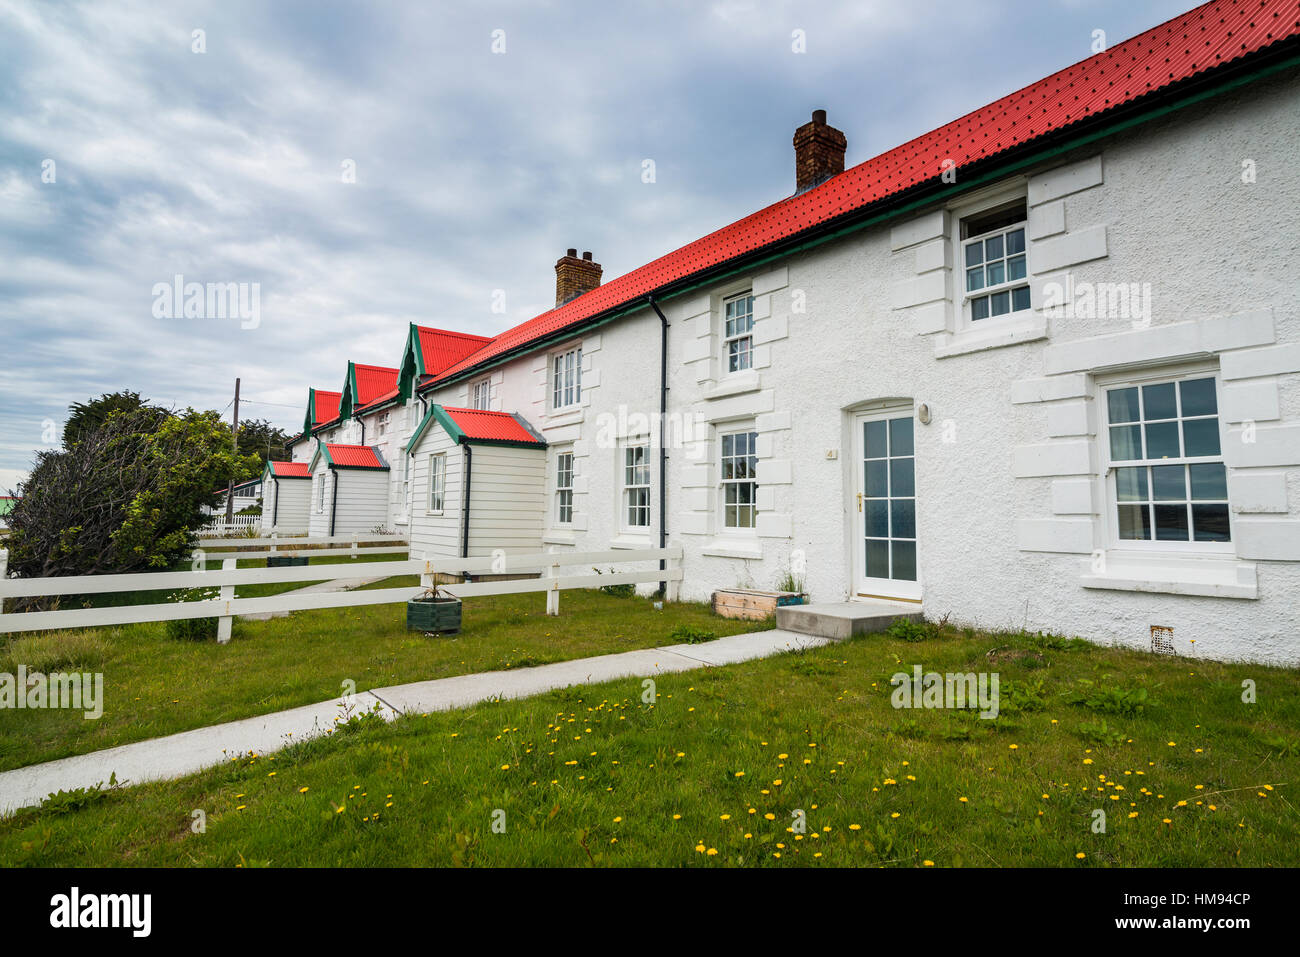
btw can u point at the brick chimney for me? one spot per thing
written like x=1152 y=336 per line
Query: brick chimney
x=818 y=152
x=574 y=276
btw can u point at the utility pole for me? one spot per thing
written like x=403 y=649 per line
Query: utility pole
x=234 y=435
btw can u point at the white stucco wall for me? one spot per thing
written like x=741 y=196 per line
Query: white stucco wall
x=1010 y=510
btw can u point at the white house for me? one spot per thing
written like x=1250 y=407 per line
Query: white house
x=1039 y=367
x=479 y=484
x=286 y=498
x=349 y=490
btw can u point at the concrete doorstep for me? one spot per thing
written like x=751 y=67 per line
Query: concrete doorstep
x=190 y=751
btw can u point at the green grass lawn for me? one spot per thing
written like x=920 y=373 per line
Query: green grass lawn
x=729 y=765
x=155 y=685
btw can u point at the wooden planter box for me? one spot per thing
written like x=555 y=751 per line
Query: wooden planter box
x=433 y=614
x=284 y=561
x=753 y=604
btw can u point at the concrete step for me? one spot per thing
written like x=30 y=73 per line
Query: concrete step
x=839 y=620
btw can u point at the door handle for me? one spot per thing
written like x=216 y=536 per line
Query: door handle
x=859 y=501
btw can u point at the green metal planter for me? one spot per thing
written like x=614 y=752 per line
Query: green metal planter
x=438 y=614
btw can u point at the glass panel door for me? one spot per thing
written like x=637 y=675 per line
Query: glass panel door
x=885 y=501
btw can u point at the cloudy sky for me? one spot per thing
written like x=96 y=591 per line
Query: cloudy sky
x=127 y=158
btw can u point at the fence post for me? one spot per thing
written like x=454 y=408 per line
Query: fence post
x=273 y=541
x=354 y=548
x=673 y=586
x=227 y=595
x=553 y=593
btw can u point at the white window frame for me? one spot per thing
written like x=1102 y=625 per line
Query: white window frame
x=563 y=492
x=436 y=500
x=564 y=371
x=480 y=395
x=724 y=482
x=1007 y=285
x=744 y=336
x=320 y=492
x=1107 y=484
x=969 y=207
x=381 y=424
x=628 y=491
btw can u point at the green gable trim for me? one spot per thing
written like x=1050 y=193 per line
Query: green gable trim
x=931 y=194
x=349 y=392
x=438 y=414
x=412 y=364
x=435 y=414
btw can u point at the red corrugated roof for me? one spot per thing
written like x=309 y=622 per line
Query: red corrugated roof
x=354 y=456
x=1209 y=36
x=327 y=407
x=441 y=348
x=290 y=469
x=492 y=426
x=373 y=382
x=377 y=401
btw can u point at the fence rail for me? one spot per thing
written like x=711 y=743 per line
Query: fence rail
x=227 y=606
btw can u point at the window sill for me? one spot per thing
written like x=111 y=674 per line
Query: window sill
x=1208 y=577
x=734 y=383
x=556 y=536
x=733 y=548
x=630 y=540
x=1010 y=332
x=569 y=415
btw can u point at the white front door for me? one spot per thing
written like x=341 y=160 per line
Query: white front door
x=884 y=506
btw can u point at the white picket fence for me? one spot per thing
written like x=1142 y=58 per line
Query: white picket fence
x=236 y=525
x=225 y=607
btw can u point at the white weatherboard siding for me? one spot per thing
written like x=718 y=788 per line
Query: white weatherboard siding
x=362 y=501
x=286 y=505
x=507 y=494
x=436 y=534
x=1010 y=497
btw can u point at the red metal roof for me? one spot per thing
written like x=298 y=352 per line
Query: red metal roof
x=441 y=348
x=327 y=407
x=1209 y=36
x=491 y=426
x=289 y=469
x=373 y=382
x=354 y=456
x=377 y=401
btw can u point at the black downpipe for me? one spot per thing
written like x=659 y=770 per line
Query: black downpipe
x=275 y=509
x=464 y=507
x=334 y=499
x=663 y=449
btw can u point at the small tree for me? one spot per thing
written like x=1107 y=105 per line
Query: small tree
x=128 y=496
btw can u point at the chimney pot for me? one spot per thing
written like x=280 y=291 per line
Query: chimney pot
x=574 y=276
x=818 y=152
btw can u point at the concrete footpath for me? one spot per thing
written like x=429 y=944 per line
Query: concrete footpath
x=180 y=754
